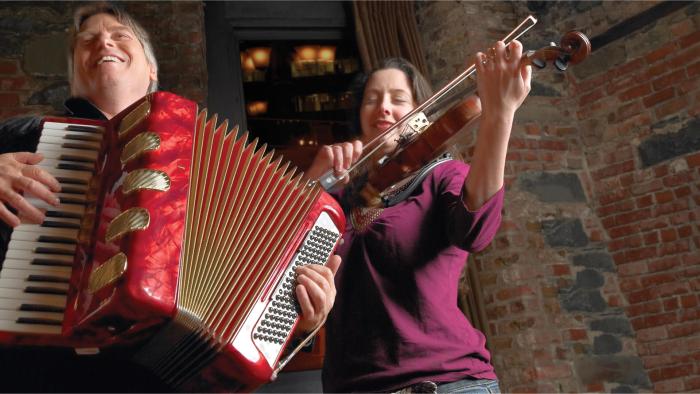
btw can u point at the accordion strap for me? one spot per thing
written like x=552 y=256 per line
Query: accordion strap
x=296 y=350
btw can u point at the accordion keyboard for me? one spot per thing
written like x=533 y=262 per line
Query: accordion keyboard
x=34 y=278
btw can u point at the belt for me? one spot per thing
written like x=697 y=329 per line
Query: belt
x=420 y=387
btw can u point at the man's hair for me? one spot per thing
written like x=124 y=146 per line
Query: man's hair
x=86 y=11
x=420 y=88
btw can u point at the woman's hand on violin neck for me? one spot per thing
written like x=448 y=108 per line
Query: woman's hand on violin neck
x=337 y=157
x=503 y=81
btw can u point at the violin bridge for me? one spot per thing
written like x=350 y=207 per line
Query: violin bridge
x=419 y=122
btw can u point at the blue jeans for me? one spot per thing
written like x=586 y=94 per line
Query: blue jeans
x=471 y=386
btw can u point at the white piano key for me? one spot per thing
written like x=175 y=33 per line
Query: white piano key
x=36 y=230
x=21 y=284
x=68 y=143
x=13 y=304
x=74 y=210
x=73 y=127
x=72 y=135
x=14 y=315
x=28 y=266
x=49 y=300
x=35 y=258
x=12 y=326
x=38 y=247
x=56 y=152
x=24 y=274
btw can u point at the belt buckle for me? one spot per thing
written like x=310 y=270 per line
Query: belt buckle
x=420 y=387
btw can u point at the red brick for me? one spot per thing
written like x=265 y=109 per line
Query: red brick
x=682 y=191
x=641 y=253
x=669 y=80
x=9 y=99
x=647 y=187
x=651 y=238
x=689 y=39
x=628 y=67
x=669 y=386
x=658 y=97
x=662 y=197
x=693 y=70
x=671 y=107
x=684 y=58
x=682 y=178
x=632 y=269
x=670 y=248
x=667 y=373
x=685 y=231
x=663 y=264
x=591 y=97
x=655 y=70
x=615 y=169
x=684 y=329
x=8 y=67
x=693 y=160
x=561 y=269
x=689 y=301
x=622 y=231
x=551 y=372
x=668 y=235
x=635 y=92
x=577 y=334
x=657 y=279
x=631 y=217
x=661 y=170
x=629 y=110
x=509 y=293
x=670 y=304
x=615 y=196
x=660 y=53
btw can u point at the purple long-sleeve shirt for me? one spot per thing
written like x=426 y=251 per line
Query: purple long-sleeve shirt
x=396 y=321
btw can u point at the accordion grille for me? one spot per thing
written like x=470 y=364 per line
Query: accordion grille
x=243 y=207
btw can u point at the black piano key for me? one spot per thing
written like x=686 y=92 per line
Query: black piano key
x=76 y=166
x=61 y=214
x=52 y=263
x=72 y=190
x=72 y=200
x=47 y=278
x=73 y=181
x=45 y=290
x=41 y=308
x=58 y=240
x=82 y=137
x=76 y=158
x=83 y=128
x=49 y=250
x=53 y=223
x=39 y=320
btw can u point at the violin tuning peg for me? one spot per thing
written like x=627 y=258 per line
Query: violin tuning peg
x=539 y=63
x=561 y=63
x=552 y=44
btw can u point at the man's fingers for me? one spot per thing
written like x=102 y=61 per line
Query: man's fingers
x=23 y=207
x=30 y=186
x=28 y=157
x=8 y=217
x=41 y=175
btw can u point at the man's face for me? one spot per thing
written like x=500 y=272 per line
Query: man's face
x=109 y=59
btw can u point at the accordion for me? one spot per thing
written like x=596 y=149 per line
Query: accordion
x=174 y=235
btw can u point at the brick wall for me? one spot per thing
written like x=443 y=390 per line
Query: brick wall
x=592 y=282
x=33 y=76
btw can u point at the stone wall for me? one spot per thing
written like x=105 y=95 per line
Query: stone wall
x=33 y=75
x=592 y=282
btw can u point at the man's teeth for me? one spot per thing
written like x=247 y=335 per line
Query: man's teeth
x=108 y=59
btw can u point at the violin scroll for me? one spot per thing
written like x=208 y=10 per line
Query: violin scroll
x=573 y=48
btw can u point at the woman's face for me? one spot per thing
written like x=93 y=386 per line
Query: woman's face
x=386 y=99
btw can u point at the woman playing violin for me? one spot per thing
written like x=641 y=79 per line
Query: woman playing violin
x=396 y=324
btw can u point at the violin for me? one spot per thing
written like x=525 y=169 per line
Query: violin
x=421 y=140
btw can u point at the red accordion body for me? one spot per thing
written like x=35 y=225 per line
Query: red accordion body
x=187 y=249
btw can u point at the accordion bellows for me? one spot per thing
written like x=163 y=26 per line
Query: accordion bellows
x=192 y=248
